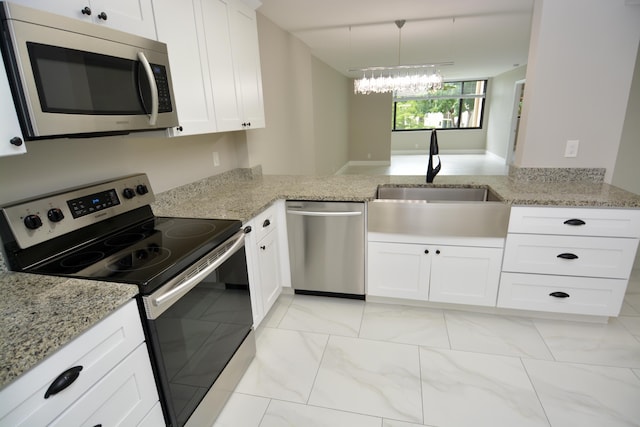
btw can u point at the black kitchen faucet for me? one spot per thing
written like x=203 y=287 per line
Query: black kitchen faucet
x=433 y=151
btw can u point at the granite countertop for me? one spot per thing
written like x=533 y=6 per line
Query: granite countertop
x=40 y=314
x=241 y=195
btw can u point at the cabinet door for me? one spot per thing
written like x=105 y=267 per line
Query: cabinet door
x=69 y=8
x=10 y=133
x=181 y=26
x=131 y=16
x=253 y=270
x=465 y=275
x=226 y=93
x=247 y=59
x=123 y=397
x=269 y=264
x=398 y=270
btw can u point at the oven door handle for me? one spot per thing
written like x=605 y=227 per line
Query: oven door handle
x=185 y=286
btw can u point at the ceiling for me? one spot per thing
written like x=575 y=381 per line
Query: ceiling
x=483 y=38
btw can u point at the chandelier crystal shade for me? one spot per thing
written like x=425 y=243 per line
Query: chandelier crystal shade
x=406 y=80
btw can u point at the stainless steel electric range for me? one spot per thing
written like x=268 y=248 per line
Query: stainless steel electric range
x=191 y=273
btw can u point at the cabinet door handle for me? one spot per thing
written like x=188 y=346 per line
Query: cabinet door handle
x=63 y=381
x=263 y=247
x=437 y=251
x=102 y=16
x=426 y=251
x=86 y=11
x=559 y=294
x=266 y=223
x=568 y=256
x=574 y=221
x=16 y=140
x=247 y=229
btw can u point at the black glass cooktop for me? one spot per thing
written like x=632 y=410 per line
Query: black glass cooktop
x=147 y=254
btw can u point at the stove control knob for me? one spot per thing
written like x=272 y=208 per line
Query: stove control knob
x=128 y=193
x=142 y=189
x=32 y=222
x=55 y=215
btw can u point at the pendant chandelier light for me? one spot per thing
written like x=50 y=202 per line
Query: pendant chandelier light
x=405 y=79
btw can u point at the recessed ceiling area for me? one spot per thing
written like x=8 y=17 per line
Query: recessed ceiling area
x=482 y=38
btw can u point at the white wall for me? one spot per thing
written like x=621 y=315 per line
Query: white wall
x=581 y=62
x=627 y=172
x=470 y=141
x=370 y=127
x=330 y=118
x=285 y=146
x=502 y=94
x=51 y=165
x=306 y=106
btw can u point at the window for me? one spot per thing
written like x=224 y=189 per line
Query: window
x=458 y=105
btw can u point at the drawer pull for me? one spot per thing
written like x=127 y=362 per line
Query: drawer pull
x=568 y=256
x=559 y=294
x=574 y=221
x=266 y=223
x=63 y=381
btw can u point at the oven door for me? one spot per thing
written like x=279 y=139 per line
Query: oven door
x=199 y=325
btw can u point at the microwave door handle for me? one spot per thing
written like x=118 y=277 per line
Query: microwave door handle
x=154 y=88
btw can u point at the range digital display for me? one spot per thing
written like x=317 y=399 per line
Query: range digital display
x=93 y=203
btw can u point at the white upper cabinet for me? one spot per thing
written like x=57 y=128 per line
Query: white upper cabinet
x=246 y=55
x=215 y=64
x=132 y=16
x=181 y=26
x=11 y=141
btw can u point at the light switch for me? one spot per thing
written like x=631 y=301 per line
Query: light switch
x=571 y=150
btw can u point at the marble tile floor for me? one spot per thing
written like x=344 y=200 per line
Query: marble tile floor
x=330 y=362
x=416 y=164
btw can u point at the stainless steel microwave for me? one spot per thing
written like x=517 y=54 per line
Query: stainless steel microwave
x=71 y=78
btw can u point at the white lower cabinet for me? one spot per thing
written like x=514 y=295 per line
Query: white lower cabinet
x=267 y=259
x=114 y=383
x=569 y=260
x=562 y=294
x=398 y=270
x=439 y=273
x=121 y=398
x=465 y=275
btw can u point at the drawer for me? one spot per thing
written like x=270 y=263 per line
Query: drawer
x=599 y=297
x=265 y=221
x=122 y=398
x=575 y=221
x=592 y=256
x=97 y=350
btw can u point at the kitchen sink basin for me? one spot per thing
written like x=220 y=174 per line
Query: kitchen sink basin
x=439 y=212
x=437 y=194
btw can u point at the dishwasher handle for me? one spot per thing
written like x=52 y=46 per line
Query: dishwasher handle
x=320 y=213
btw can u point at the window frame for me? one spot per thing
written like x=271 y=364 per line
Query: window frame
x=461 y=97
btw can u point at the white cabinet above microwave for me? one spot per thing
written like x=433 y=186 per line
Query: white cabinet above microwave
x=215 y=64
x=131 y=16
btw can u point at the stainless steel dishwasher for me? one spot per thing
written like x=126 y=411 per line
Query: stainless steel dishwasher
x=326 y=247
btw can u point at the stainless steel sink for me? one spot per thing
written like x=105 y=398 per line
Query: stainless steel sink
x=438 y=212
x=436 y=194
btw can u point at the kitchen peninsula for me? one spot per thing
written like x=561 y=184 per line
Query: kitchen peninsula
x=240 y=194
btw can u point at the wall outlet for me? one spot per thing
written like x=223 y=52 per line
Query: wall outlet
x=571 y=150
x=216 y=159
